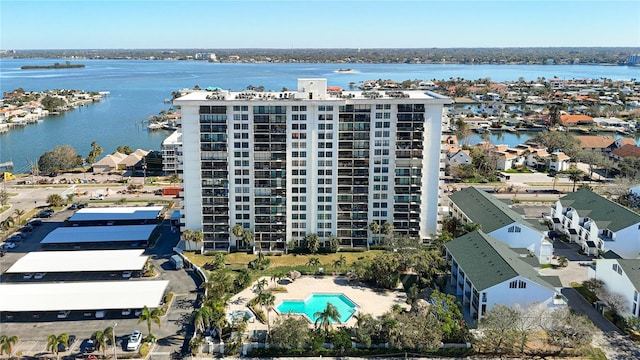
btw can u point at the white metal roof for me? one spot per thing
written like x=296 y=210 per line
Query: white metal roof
x=100 y=295
x=89 y=234
x=117 y=213
x=77 y=261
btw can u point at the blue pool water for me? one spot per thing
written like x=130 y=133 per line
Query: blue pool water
x=317 y=303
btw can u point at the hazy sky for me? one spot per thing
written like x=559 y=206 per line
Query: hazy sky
x=128 y=24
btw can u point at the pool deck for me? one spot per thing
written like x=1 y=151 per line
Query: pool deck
x=369 y=300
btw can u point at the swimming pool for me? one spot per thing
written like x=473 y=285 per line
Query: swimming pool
x=317 y=303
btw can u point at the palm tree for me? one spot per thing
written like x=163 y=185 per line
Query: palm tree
x=313 y=261
x=237 y=230
x=190 y=235
x=101 y=338
x=8 y=223
x=247 y=237
x=387 y=228
x=53 y=343
x=575 y=175
x=6 y=344
x=323 y=318
x=267 y=300
x=148 y=316
x=202 y=318
x=261 y=285
x=18 y=214
x=374 y=227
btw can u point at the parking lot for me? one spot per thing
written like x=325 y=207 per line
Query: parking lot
x=32 y=329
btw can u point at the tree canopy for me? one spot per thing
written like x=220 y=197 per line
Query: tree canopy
x=62 y=157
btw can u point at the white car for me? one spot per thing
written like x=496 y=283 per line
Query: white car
x=39 y=276
x=126 y=312
x=134 y=341
x=63 y=314
x=27 y=276
x=126 y=274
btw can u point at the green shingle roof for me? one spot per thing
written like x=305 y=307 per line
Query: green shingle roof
x=606 y=213
x=488 y=261
x=631 y=268
x=484 y=209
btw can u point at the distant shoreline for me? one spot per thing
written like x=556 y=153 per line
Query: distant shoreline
x=54 y=66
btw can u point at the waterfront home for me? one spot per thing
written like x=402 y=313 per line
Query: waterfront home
x=622 y=277
x=500 y=221
x=459 y=157
x=575 y=120
x=626 y=151
x=486 y=272
x=615 y=124
x=596 y=143
x=597 y=224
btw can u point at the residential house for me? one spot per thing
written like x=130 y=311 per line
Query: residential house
x=622 y=142
x=486 y=273
x=497 y=219
x=558 y=161
x=596 y=143
x=597 y=224
x=622 y=276
x=575 y=120
x=108 y=163
x=626 y=151
x=460 y=157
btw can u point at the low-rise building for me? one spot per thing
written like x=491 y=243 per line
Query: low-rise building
x=500 y=221
x=621 y=277
x=486 y=273
x=597 y=224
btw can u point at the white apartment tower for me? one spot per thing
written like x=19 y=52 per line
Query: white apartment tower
x=291 y=163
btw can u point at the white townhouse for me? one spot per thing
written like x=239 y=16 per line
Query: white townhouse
x=486 y=273
x=622 y=276
x=597 y=224
x=500 y=221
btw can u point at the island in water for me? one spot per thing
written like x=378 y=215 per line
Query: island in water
x=66 y=65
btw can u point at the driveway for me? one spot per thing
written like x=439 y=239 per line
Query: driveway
x=608 y=338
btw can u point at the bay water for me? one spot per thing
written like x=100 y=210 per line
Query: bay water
x=138 y=89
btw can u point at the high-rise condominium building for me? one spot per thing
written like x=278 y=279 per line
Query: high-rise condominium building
x=318 y=160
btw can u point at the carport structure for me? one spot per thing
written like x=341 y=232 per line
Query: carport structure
x=85 y=296
x=99 y=237
x=122 y=215
x=80 y=261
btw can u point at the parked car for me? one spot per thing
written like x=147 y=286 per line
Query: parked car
x=126 y=274
x=36 y=222
x=126 y=312
x=45 y=214
x=70 y=341
x=87 y=346
x=39 y=276
x=82 y=205
x=97 y=197
x=14 y=238
x=9 y=245
x=27 y=228
x=134 y=341
x=22 y=235
x=63 y=314
x=27 y=276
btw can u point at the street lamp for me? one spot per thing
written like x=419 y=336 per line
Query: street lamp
x=113 y=333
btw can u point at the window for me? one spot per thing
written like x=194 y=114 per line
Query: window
x=517 y=284
x=514 y=229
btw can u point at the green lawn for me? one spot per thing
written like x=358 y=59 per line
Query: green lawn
x=240 y=260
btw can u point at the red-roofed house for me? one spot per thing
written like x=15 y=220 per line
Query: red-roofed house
x=626 y=151
x=575 y=120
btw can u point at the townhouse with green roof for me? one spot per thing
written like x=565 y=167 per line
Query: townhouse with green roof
x=622 y=276
x=597 y=224
x=486 y=272
x=497 y=219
